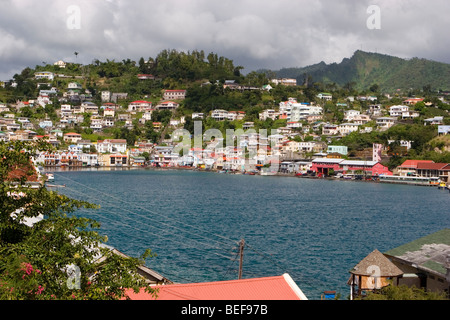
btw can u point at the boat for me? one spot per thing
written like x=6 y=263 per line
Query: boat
x=442 y=185
x=50 y=176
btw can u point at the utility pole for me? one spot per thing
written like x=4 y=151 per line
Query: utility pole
x=241 y=257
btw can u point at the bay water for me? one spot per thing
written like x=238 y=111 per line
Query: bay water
x=313 y=229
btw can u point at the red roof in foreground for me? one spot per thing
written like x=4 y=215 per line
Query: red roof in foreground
x=268 y=288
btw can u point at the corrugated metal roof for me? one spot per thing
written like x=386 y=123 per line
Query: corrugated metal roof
x=358 y=163
x=268 y=288
x=327 y=160
x=429 y=252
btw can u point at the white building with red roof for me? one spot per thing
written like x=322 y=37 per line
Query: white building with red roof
x=140 y=106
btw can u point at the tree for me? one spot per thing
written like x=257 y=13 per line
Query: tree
x=404 y=292
x=35 y=258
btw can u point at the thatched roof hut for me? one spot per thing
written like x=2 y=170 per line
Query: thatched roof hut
x=373 y=272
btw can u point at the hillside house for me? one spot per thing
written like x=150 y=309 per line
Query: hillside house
x=44 y=75
x=384 y=123
x=347 y=128
x=167 y=105
x=268 y=114
x=219 y=114
x=174 y=94
x=139 y=106
x=325 y=96
x=412 y=101
x=349 y=115
x=72 y=137
x=284 y=81
x=112 y=146
x=89 y=107
x=330 y=129
x=437 y=120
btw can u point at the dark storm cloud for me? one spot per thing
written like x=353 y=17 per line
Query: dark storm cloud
x=254 y=34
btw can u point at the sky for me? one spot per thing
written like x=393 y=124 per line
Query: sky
x=255 y=34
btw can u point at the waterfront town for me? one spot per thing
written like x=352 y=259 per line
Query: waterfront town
x=306 y=136
x=94 y=131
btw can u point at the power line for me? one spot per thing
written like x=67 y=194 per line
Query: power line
x=146 y=217
x=151 y=226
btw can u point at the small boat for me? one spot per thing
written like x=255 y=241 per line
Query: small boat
x=50 y=176
x=442 y=185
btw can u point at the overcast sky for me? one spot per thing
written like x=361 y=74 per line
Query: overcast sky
x=253 y=33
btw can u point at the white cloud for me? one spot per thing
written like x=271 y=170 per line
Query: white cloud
x=254 y=34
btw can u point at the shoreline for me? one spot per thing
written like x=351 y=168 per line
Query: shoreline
x=50 y=169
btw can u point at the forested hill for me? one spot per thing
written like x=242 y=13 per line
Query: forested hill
x=365 y=69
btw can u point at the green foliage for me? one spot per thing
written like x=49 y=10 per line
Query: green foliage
x=376 y=71
x=34 y=259
x=404 y=292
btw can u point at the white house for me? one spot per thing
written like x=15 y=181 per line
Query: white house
x=219 y=114
x=330 y=129
x=108 y=112
x=45 y=124
x=72 y=137
x=106 y=96
x=140 y=106
x=167 y=105
x=89 y=107
x=300 y=111
x=44 y=75
x=112 y=146
x=60 y=64
x=385 y=123
x=108 y=122
x=325 y=96
x=349 y=115
x=396 y=111
x=174 y=94
x=434 y=121
x=268 y=114
x=197 y=115
x=347 y=128
x=147 y=116
x=294 y=124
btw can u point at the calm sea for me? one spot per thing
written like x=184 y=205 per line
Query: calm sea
x=315 y=230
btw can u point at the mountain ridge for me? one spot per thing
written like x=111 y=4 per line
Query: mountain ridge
x=365 y=69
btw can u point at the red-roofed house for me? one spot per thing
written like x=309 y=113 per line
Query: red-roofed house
x=268 y=288
x=72 y=137
x=167 y=105
x=440 y=170
x=411 y=101
x=140 y=106
x=409 y=167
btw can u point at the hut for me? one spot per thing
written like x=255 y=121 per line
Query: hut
x=371 y=273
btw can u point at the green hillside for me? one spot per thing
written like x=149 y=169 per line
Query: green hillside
x=365 y=69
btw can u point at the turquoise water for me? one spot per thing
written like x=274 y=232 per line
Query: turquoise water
x=315 y=230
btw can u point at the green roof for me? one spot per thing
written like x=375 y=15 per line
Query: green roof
x=429 y=252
